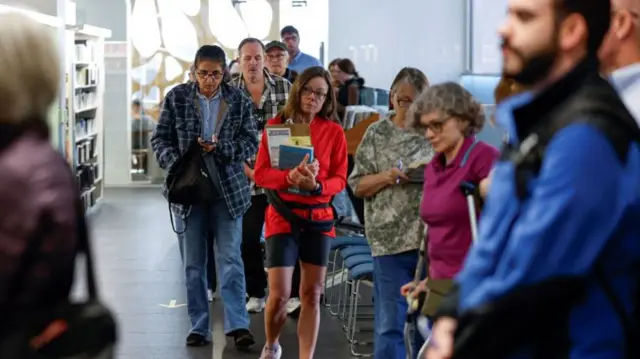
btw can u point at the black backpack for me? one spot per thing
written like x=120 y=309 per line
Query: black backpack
x=595 y=107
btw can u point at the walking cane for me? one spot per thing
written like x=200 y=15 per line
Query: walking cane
x=414 y=304
x=470 y=190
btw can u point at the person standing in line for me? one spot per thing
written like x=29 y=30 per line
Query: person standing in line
x=620 y=53
x=558 y=240
x=278 y=59
x=311 y=102
x=269 y=94
x=212 y=282
x=298 y=60
x=221 y=119
x=392 y=209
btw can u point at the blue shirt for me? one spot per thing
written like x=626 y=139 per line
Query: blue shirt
x=209 y=108
x=302 y=61
x=627 y=81
x=209 y=112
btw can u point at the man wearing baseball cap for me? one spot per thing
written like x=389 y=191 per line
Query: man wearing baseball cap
x=278 y=60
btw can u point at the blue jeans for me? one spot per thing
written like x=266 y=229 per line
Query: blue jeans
x=342 y=204
x=390 y=307
x=227 y=234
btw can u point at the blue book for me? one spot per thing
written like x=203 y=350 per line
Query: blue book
x=290 y=156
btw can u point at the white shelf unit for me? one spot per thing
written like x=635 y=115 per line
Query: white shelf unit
x=85 y=90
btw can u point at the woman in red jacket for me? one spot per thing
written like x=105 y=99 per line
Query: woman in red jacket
x=308 y=234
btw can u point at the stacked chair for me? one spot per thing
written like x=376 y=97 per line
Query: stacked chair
x=351 y=264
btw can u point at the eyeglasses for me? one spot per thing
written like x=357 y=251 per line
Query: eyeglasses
x=278 y=57
x=404 y=103
x=289 y=37
x=435 y=126
x=319 y=95
x=214 y=75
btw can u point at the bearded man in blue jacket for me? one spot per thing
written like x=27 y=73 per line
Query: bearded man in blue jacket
x=555 y=271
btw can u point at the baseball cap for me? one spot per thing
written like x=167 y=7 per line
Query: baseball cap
x=275 y=45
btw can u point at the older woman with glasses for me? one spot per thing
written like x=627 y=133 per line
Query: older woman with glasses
x=450 y=118
x=392 y=220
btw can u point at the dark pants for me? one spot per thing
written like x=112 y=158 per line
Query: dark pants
x=252 y=253
x=212 y=280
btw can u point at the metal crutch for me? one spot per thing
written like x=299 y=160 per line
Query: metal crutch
x=414 y=304
x=470 y=190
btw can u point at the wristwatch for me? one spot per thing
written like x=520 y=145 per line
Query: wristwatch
x=318 y=190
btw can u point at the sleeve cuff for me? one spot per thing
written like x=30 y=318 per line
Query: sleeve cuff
x=318 y=190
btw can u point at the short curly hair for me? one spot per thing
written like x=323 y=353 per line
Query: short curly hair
x=450 y=99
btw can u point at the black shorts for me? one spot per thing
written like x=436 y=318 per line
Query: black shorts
x=284 y=250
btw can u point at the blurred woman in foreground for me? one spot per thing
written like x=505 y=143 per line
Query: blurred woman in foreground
x=38 y=194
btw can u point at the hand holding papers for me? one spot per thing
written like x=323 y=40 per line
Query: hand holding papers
x=290 y=149
x=302 y=176
x=289 y=144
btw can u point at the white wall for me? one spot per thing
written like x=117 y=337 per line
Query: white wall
x=312 y=21
x=487 y=15
x=382 y=36
x=47 y=7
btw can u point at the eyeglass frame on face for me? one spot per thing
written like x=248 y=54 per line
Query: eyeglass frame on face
x=306 y=91
x=403 y=102
x=288 y=37
x=279 y=57
x=203 y=75
x=436 y=126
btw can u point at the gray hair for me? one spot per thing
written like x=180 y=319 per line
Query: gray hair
x=30 y=69
x=450 y=99
x=413 y=77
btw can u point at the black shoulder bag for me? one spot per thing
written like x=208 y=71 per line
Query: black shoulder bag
x=189 y=181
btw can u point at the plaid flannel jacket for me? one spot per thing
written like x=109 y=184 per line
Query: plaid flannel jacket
x=180 y=123
x=274 y=98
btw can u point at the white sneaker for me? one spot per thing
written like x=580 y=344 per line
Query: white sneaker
x=211 y=295
x=255 y=305
x=271 y=353
x=293 y=304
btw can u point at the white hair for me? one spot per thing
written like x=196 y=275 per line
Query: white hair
x=30 y=68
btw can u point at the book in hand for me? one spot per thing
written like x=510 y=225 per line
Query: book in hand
x=290 y=156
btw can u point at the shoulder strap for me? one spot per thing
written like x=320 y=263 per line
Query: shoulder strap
x=467 y=153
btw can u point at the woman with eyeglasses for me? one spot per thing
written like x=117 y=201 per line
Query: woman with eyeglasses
x=450 y=117
x=392 y=222
x=299 y=226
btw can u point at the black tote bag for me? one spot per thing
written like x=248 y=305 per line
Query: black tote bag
x=189 y=182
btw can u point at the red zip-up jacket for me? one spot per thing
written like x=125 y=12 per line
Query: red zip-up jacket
x=330 y=149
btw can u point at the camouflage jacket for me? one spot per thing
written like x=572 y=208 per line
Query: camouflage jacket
x=392 y=216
